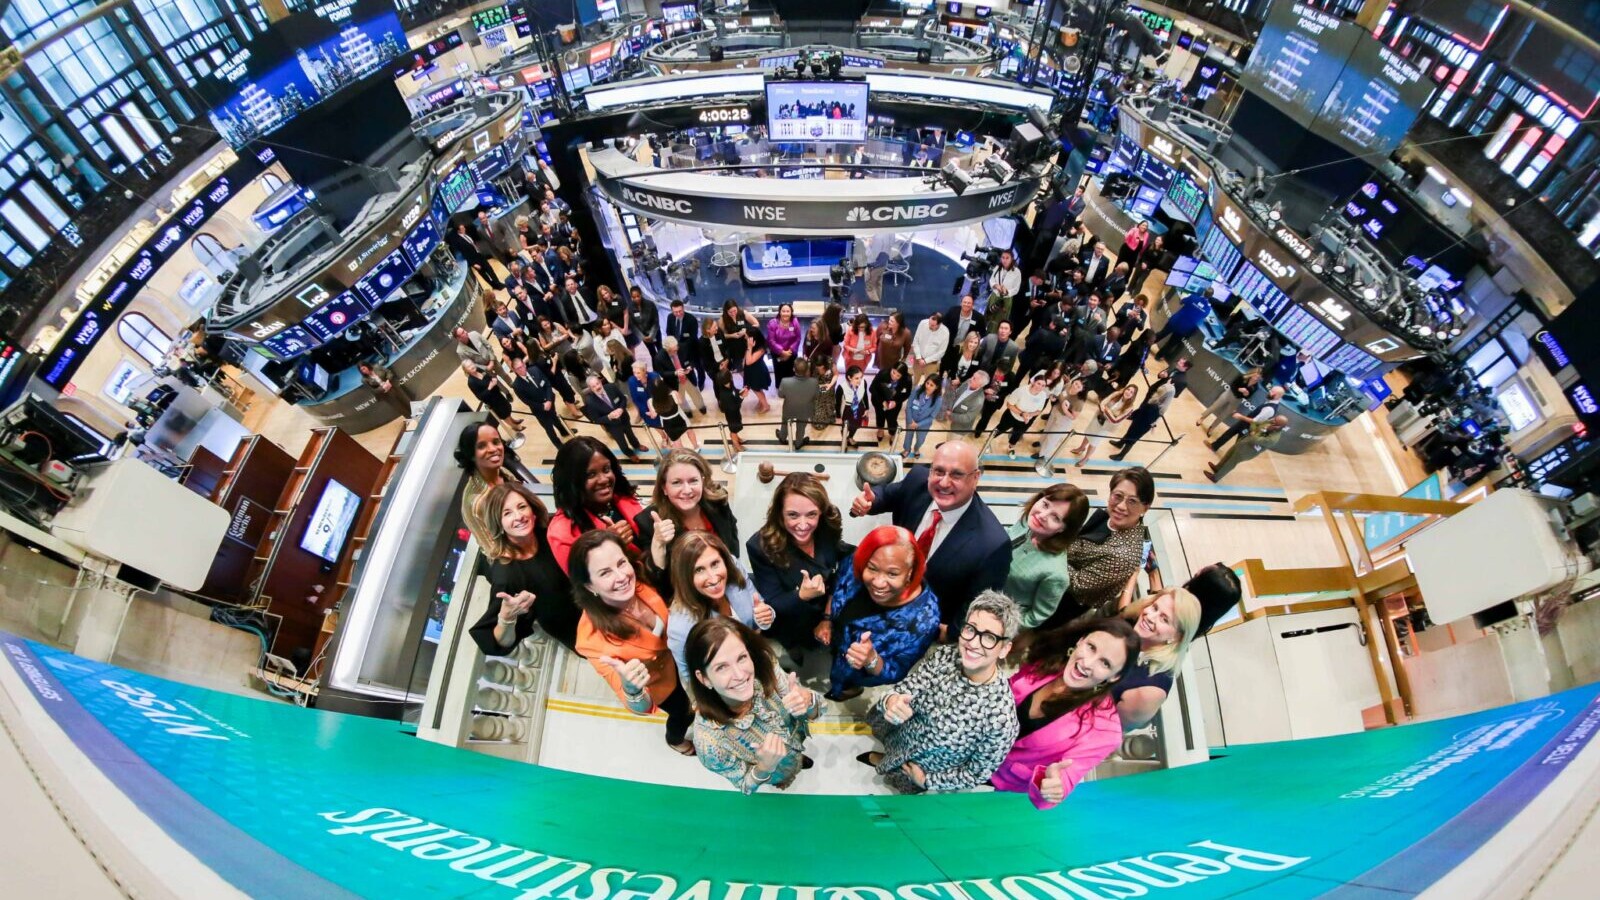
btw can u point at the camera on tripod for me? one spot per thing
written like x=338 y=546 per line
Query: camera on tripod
x=840 y=276
x=980 y=263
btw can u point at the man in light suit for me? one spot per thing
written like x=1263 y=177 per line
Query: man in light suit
x=966 y=547
x=966 y=403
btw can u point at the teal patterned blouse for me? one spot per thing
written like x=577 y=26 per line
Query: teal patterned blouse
x=730 y=750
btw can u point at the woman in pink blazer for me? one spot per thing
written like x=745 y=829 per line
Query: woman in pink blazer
x=1068 y=722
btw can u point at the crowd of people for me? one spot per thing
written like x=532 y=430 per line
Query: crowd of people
x=1009 y=656
x=1053 y=364
x=932 y=610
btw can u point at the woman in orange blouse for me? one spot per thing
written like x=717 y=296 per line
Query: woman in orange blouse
x=861 y=344
x=623 y=633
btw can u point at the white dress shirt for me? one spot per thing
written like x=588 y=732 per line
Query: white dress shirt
x=945 y=524
x=929 y=345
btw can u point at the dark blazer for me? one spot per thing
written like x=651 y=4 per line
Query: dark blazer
x=718 y=515
x=951 y=317
x=975 y=556
x=534 y=391
x=687 y=333
x=597 y=412
x=779 y=586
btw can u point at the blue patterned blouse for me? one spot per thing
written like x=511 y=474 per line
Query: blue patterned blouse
x=900 y=635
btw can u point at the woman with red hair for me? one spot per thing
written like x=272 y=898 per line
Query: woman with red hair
x=882 y=618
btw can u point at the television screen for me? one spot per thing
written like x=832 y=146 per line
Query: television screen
x=1299 y=57
x=330 y=319
x=682 y=12
x=817 y=111
x=384 y=279
x=290 y=342
x=1374 y=101
x=330 y=522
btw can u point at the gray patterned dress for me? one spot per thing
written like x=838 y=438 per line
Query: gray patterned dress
x=959 y=732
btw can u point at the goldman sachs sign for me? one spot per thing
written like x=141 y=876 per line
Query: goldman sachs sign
x=828 y=207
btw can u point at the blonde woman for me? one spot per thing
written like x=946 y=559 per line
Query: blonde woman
x=1113 y=411
x=1166 y=623
x=1058 y=427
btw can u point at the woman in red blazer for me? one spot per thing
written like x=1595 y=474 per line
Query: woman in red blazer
x=1067 y=721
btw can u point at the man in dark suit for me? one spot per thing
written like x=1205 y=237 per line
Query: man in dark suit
x=966 y=547
x=577 y=308
x=962 y=319
x=534 y=389
x=462 y=241
x=686 y=329
x=605 y=406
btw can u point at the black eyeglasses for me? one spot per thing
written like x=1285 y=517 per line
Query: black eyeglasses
x=988 y=640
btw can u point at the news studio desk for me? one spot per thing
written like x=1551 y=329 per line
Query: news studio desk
x=421 y=365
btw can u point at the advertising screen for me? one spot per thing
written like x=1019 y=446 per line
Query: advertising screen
x=290 y=342
x=1220 y=252
x=456 y=188
x=384 y=279
x=330 y=319
x=1187 y=197
x=1373 y=209
x=1374 y=101
x=1299 y=57
x=817 y=111
x=682 y=12
x=330 y=522
x=1259 y=291
x=1153 y=171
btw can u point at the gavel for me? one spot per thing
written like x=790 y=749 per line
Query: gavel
x=766 y=472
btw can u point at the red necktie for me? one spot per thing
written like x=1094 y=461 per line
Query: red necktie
x=925 y=539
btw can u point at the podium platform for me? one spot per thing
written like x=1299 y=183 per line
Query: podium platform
x=192 y=793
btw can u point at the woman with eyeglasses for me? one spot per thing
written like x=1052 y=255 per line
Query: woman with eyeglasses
x=948 y=725
x=1109 y=550
x=1040 y=574
x=753 y=720
x=1066 y=718
x=882 y=617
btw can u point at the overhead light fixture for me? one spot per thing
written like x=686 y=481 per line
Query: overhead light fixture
x=1425 y=330
x=1370 y=293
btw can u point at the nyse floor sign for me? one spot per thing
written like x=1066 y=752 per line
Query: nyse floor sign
x=830 y=209
x=282 y=801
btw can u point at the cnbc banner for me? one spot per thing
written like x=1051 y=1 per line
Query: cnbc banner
x=285 y=802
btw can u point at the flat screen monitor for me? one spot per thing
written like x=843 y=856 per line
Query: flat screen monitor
x=329 y=320
x=330 y=522
x=679 y=12
x=290 y=342
x=601 y=70
x=817 y=111
x=384 y=279
x=576 y=78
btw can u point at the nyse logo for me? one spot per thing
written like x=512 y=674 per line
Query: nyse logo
x=1276 y=268
x=766 y=213
x=1232 y=222
x=220 y=192
x=194 y=217
x=1004 y=198
x=1336 y=313
x=898 y=213
x=655 y=201
x=411 y=216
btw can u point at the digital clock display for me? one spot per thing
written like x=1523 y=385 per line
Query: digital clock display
x=723 y=115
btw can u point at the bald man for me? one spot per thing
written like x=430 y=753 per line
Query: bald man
x=967 y=549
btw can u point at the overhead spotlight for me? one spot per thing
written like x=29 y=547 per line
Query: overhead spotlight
x=956 y=178
x=1320 y=264
x=1071 y=64
x=835 y=64
x=1276 y=212
x=1455 y=331
x=1369 y=293
x=1425 y=330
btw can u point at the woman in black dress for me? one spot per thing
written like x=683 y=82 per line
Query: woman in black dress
x=891 y=388
x=756 y=375
x=730 y=400
x=526 y=586
x=667 y=408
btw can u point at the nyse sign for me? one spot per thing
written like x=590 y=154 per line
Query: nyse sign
x=831 y=208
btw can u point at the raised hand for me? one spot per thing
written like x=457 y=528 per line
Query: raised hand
x=1052 y=787
x=621 y=528
x=897 y=709
x=770 y=753
x=796 y=699
x=860 y=654
x=862 y=505
x=514 y=607
x=635 y=677
x=665 y=529
x=812 y=586
x=764 y=614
